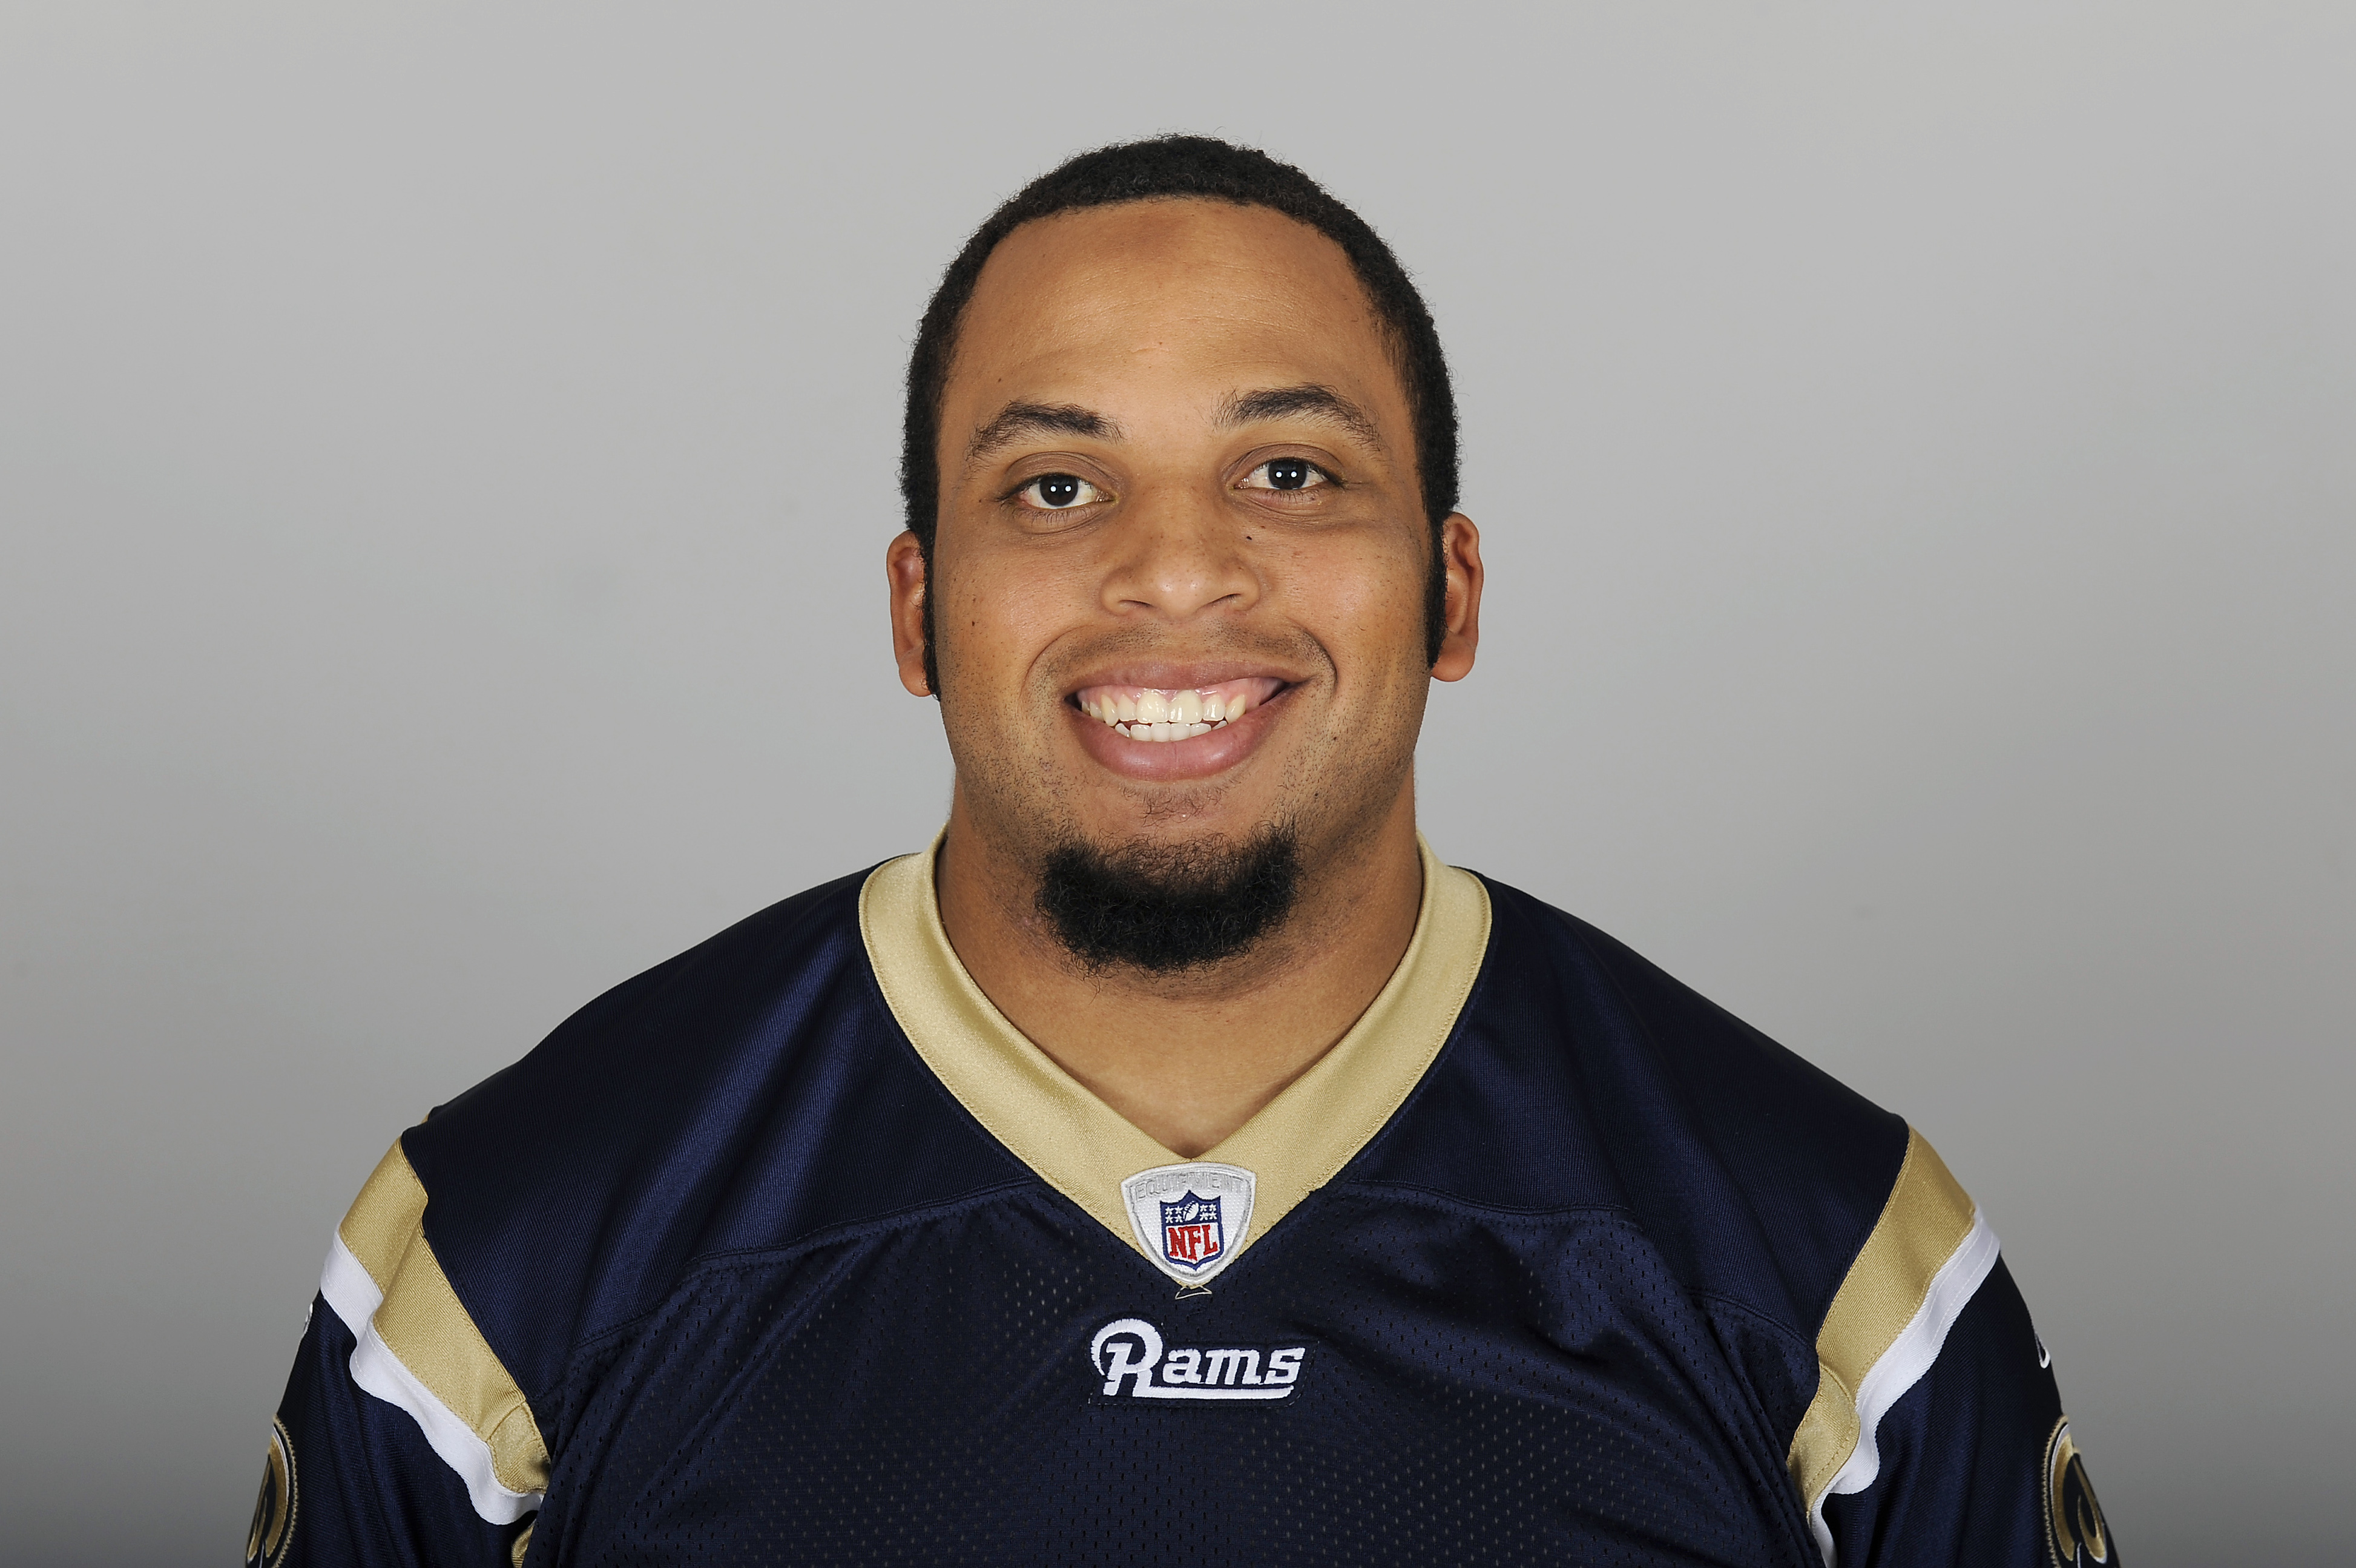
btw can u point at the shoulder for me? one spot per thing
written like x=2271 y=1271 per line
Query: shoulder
x=749 y=1093
x=627 y=1068
x=1823 y=1235
x=1583 y=1076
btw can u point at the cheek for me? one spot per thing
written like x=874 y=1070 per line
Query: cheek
x=1363 y=597
x=993 y=614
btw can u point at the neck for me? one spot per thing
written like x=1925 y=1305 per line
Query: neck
x=1188 y=1058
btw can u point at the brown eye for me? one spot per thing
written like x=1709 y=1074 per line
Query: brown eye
x=1286 y=474
x=1059 y=492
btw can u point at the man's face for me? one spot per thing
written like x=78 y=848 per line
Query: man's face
x=1179 y=578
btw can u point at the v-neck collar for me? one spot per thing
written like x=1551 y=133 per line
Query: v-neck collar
x=1076 y=1144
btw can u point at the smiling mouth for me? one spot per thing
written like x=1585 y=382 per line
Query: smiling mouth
x=1155 y=713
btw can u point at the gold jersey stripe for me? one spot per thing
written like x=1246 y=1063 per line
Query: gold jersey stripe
x=422 y=1323
x=1924 y=1222
x=1085 y=1149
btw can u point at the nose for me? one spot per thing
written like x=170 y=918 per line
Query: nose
x=1176 y=557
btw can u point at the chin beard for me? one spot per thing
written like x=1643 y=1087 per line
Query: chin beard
x=1166 y=907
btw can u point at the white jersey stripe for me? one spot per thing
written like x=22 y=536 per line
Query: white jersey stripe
x=1902 y=1366
x=354 y=1295
x=348 y=1288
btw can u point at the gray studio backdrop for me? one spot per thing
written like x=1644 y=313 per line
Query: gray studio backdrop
x=445 y=457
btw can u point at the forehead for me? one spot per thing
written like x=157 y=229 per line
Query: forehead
x=1077 y=306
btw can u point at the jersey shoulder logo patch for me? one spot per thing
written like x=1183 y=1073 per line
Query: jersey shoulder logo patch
x=1129 y=1355
x=272 y=1531
x=2074 y=1532
x=1191 y=1219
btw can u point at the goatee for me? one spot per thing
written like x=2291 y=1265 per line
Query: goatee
x=1166 y=907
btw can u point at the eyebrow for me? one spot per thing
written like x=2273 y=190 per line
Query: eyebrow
x=1306 y=401
x=1017 y=420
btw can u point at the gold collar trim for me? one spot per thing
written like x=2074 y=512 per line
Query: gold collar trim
x=1081 y=1146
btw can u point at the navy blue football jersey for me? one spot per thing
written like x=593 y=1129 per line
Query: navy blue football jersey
x=793 y=1250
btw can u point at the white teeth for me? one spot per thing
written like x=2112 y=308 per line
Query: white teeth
x=1166 y=729
x=1146 y=715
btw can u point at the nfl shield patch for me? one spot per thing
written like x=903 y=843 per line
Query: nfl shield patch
x=1192 y=1235
x=1190 y=1219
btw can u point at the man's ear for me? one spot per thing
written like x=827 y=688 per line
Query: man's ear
x=904 y=569
x=1460 y=557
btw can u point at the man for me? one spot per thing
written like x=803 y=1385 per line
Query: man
x=1178 y=1163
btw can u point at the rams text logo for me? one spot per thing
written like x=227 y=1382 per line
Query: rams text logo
x=1129 y=1355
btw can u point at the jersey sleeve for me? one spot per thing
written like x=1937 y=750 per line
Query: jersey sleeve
x=1936 y=1433
x=402 y=1439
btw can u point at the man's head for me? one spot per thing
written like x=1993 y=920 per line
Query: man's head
x=1203 y=168
x=1181 y=555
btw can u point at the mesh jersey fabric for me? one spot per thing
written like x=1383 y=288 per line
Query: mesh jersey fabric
x=771 y=1295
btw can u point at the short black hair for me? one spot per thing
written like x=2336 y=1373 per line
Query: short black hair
x=1209 y=168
